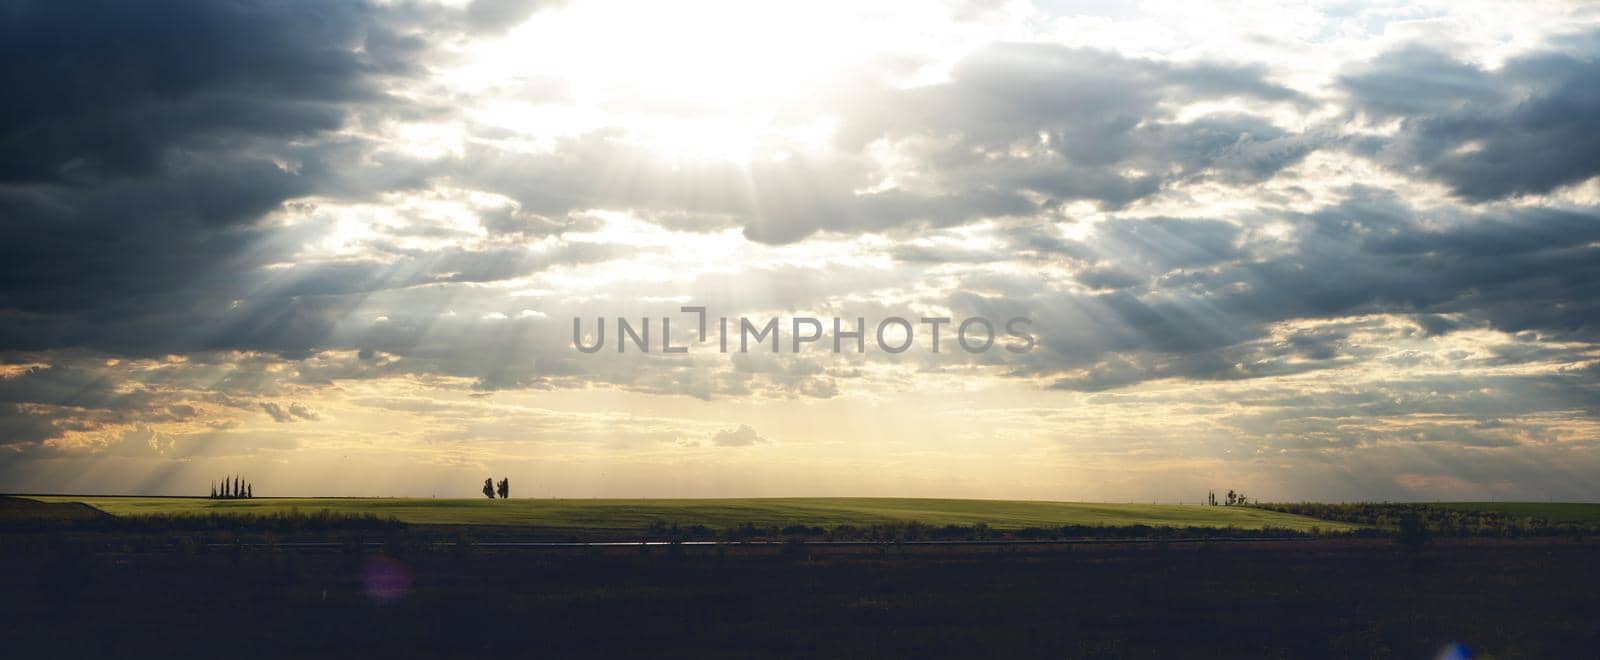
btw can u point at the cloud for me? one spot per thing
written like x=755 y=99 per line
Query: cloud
x=497 y=16
x=110 y=96
x=220 y=210
x=301 y=411
x=284 y=415
x=1018 y=123
x=144 y=151
x=1170 y=298
x=276 y=412
x=1528 y=127
x=744 y=436
x=1110 y=136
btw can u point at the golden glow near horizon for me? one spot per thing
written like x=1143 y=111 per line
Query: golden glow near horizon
x=1244 y=266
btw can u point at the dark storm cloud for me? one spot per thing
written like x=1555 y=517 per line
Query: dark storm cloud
x=71 y=387
x=1518 y=269
x=139 y=145
x=109 y=89
x=142 y=145
x=1196 y=299
x=73 y=248
x=45 y=402
x=20 y=425
x=1528 y=127
x=150 y=143
x=145 y=241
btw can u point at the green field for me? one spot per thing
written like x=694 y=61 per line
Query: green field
x=725 y=513
x=1557 y=512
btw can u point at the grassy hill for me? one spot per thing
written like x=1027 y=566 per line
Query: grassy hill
x=25 y=509
x=725 y=513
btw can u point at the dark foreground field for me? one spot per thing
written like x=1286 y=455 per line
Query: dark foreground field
x=1332 y=597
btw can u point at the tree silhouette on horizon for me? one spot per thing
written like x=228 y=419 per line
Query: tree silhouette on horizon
x=232 y=488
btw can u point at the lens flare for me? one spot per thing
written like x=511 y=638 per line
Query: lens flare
x=385 y=579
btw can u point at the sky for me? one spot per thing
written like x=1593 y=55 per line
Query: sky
x=1306 y=251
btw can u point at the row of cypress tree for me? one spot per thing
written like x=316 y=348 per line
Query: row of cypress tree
x=233 y=488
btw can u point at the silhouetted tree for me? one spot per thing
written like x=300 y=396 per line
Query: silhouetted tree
x=232 y=488
x=1413 y=532
x=1232 y=498
x=488 y=488
x=505 y=488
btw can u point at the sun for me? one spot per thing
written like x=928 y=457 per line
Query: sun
x=702 y=80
